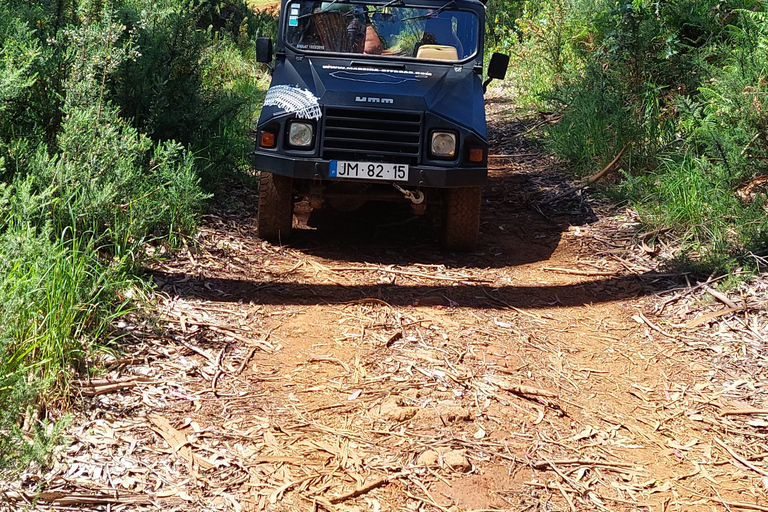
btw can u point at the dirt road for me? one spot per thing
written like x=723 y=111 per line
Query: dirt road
x=362 y=369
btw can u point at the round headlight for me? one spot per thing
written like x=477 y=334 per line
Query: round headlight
x=300 y=135
x=443 y=144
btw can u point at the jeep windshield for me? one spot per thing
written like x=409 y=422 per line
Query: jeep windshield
x=440 y=33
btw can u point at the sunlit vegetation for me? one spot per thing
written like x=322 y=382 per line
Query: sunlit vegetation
x=682 y=85
x=117 y=120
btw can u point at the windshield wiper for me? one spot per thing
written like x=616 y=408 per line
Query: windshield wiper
x=434 y=13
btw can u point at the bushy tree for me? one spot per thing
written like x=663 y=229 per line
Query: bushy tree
x=680 y=85
x=112 y=115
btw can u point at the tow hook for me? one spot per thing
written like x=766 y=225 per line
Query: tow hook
x=416 y=197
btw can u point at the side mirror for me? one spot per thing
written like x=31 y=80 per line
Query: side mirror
x=263 y=49
x=497 y=68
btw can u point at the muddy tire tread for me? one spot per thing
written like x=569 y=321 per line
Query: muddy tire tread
x=462 y=219
x=275 y=214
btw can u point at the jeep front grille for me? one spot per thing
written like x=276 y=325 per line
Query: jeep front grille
x=371 y=135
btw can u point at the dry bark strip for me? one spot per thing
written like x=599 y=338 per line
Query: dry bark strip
x=64 y=498
x=178 y=442
x=740 y=458
x=592 y=179
x=368 y=487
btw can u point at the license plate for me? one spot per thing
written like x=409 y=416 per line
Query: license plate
x=369 y=170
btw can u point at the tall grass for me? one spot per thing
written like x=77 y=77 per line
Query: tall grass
x=115 y=116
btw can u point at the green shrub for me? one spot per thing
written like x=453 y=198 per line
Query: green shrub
x=193 y=78
x=702 y=189
x=681 y=85
x=110 y=114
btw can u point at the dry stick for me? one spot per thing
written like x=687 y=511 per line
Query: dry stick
x=721 y=297
x=367 y=487
x=218 y=373
x=740 y=458
x=592 y=179
x=749 y=506
x=737 y=412
x=579 y=272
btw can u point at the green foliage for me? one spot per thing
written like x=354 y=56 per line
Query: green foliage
x=681 y=85
x=36 y=447
x=193 y=78
x=113 y=116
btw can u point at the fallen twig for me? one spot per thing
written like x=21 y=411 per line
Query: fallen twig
x=367 y=487
x=578 y=272
x=592 y=179
x=749 y=506
x=740 y=458
x=745 y=411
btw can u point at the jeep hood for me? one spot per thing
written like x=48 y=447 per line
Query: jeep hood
x=303 y=87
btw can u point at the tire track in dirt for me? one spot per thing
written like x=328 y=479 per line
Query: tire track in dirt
x=360 y=368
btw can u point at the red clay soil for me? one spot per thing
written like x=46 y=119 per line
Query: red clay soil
x=359 y=367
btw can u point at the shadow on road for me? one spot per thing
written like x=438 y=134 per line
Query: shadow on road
x=514 y=231
x=466 y=295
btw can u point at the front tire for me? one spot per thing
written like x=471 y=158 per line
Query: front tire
x=275 y=213
x=462 y=219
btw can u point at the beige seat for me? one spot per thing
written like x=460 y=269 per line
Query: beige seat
x=437 y=52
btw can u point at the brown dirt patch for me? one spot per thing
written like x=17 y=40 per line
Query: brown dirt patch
x=360 y=368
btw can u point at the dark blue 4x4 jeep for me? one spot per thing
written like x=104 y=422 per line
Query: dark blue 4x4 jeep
x=376 y=101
